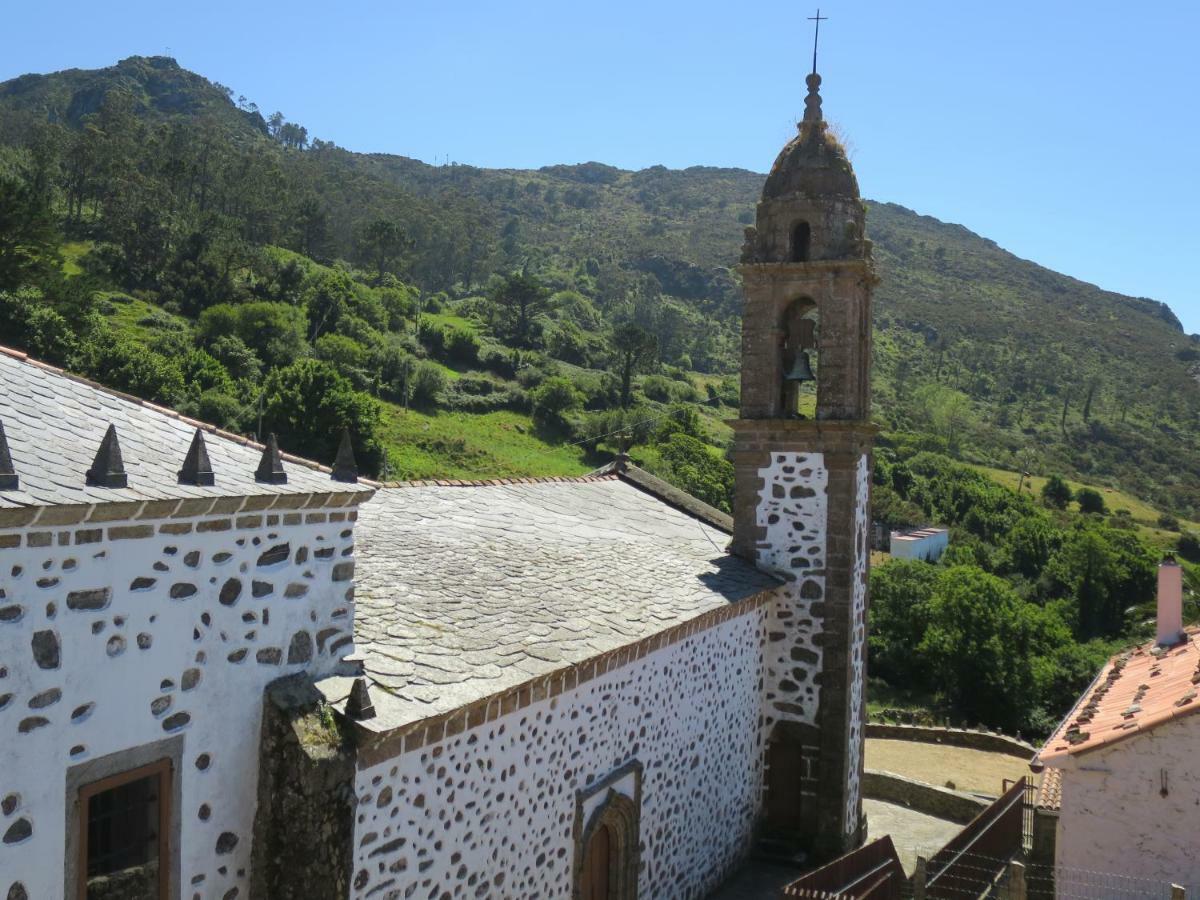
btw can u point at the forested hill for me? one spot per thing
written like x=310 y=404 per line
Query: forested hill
x=169 y=193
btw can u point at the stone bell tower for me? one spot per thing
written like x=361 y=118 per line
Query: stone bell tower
x=802 y=489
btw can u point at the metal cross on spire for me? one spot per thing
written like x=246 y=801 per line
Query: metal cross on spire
x=818 y=18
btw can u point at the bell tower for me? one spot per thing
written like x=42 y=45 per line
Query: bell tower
x=802 y=456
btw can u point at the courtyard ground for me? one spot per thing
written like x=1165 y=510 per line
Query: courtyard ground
x=974 y=771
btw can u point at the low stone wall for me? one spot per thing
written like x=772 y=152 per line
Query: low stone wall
x=955 y=737
x=933 y=801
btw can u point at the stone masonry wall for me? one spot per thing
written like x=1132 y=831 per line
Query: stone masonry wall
x=792 y=510
x=119 y=634
x=858 y=641
x=492 y=810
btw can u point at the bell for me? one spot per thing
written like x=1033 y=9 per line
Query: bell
x=801 y=369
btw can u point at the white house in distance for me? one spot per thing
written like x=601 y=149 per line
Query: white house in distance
x=923 y=543
x=1128 y=793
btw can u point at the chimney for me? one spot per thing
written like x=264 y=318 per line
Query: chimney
x=1170 y=602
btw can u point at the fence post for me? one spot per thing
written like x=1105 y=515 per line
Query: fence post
x=1177 y=892
x=1014 y=883
x=918 y=879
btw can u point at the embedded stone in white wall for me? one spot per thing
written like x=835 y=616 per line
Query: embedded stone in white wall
x=492 y=811
x=793 y=509
x=858 y=639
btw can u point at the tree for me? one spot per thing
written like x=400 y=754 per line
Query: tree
x=1091 y=501
x=697 y=469
x=1056 y=492
x=900 y=595
x=985 y=647
x=381 y=243
x=308 y=404
x=633 y=350
x=28 y=238
x=520 y=298
x=310 y=225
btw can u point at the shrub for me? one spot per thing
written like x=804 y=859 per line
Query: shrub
x=1090 y=501
x=1189 y=546
x=1168 y=521
x=553 y=399
x=1056 y=492
x=461 y=345
x=426 y=385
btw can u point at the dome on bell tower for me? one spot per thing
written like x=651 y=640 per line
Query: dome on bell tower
x=810 y=207
x=813 y=164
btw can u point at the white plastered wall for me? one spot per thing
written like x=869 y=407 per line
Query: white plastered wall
x=171 y=635
x=1115 y=819
x=492 y=811
x=793 y=508
x=858 y=639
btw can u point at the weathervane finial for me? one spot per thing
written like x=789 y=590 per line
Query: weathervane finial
x=818 y=18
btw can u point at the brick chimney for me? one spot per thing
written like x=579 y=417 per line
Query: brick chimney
x=1170 y=602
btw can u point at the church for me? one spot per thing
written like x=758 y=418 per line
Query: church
x=229 y=672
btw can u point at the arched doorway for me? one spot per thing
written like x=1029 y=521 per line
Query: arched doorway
x=607 y=861
x=595 y=882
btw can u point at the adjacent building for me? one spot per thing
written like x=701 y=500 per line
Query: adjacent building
x=927 y=544
x=1121 y=789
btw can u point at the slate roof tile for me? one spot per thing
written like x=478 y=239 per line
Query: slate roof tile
x=483 y=587
x=55 y=422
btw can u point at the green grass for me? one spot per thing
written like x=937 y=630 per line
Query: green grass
x=1143 y=514
x=139 y=319
x=473 y=446
x=72 y=252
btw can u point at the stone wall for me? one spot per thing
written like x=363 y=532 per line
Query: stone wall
x=858 y=642
x=792 y=514
x=304 y=827
x=495 y=809
x=957 y=806
x=116 y=634
x=954 y=737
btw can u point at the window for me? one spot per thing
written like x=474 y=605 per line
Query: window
x=124 y=823
x=801 y=238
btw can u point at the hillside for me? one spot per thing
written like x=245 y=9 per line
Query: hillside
x=978 y=353
x=163 y=239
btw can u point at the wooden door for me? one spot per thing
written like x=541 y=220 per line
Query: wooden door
x=783 y=786
x=597 y=864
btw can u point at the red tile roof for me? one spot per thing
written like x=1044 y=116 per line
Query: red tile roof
x=1050 y=791
x=1136 y=691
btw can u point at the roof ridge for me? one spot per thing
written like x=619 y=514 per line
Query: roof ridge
x=494 y=482
x=22 y=356
x=668 y=493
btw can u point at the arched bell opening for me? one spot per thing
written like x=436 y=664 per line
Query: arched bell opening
x=801 y=242
x=800 y=359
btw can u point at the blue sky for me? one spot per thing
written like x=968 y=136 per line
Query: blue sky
x=1068 y=132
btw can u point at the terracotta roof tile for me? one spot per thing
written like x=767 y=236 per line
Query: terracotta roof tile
x=1135 y=692
x=1050 y=792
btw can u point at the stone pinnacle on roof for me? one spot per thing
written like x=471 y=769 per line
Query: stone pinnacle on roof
x=812 y=103
x=270 y=466
x=108 y=468
x=359 y=705
x=9 y=480
x=344 y=466
x=196 y=467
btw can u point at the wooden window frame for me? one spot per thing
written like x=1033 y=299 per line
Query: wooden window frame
x=164 y=770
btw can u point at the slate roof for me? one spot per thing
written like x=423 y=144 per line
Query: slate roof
x=1136 y=691
x=55 y=423
x=465 y=591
